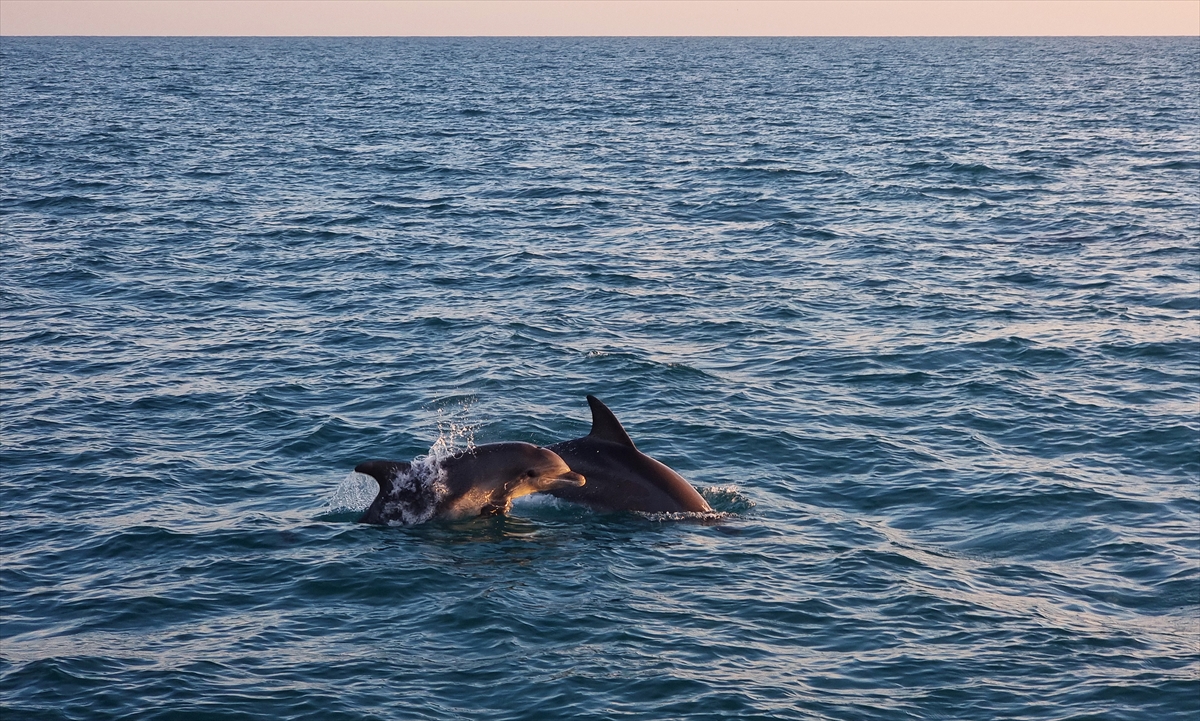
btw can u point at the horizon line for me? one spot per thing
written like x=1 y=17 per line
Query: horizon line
x=601 y=18
x=592 y=37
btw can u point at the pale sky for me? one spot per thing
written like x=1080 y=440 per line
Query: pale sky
x=599 y=17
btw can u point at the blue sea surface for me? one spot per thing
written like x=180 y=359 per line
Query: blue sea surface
x=920 y=318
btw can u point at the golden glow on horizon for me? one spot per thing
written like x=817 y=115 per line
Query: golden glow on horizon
x=600 y=17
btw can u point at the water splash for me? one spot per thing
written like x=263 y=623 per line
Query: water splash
x=353 y=494
x=416 y=491
x=456 y=432
x=425 y=478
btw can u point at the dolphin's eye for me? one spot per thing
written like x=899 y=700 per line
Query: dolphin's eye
x=531 y=473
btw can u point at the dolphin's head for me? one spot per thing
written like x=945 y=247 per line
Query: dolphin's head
x=546 y=471
x=512 y=470
x=519 y=469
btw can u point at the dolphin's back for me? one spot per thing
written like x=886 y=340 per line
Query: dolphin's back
x=621 y=478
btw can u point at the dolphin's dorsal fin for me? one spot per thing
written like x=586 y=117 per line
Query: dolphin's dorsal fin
x=384 y=472
x=605 y=425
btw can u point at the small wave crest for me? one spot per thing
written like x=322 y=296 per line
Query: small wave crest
x=702 y=516
x=726 y=501
x=727 y=498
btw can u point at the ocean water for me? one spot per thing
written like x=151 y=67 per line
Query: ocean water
x=919 y=317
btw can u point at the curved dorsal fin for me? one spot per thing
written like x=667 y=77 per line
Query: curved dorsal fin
x=605 y=425
x=384 y=472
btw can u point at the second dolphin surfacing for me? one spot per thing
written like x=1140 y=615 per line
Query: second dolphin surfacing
x=619 y=476
x=480 y=481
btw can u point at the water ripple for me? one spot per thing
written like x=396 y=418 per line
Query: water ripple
x=919 y=318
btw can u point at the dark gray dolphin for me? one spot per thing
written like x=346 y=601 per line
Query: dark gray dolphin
x=481 y=481
x=619 y=476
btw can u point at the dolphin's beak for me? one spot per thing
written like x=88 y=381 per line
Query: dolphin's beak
x=571 y=478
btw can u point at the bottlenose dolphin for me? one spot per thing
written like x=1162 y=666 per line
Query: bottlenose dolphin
x=481 y=481
x=619 y=476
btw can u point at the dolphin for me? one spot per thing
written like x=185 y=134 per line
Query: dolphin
x=619 y=476
x=482 y=481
